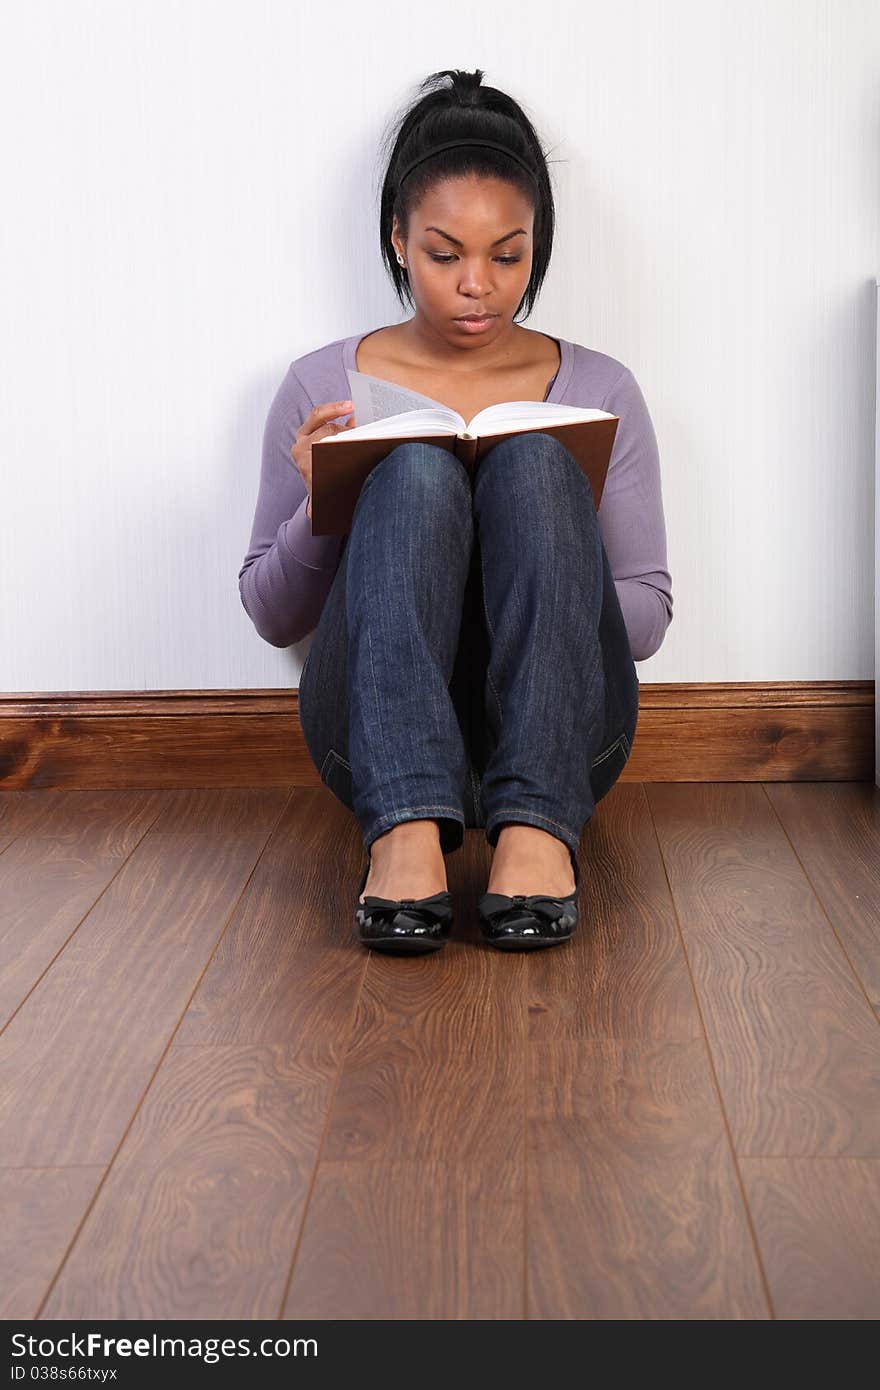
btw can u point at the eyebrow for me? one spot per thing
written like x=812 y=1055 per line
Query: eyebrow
x=520 y=231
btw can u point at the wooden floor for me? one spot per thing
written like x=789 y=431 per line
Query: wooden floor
x=217 y=1104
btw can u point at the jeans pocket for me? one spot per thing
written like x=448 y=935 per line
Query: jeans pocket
x=336 y=775
x=608 y=765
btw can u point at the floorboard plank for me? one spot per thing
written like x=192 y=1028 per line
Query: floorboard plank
x=66 y=812
x=223 y=810
x=289 y=966
x=835 y=830
x=818 y=1228
x=435 y=1064
x=634 y=1205
x=624 y=975
x=80 y=1051
x=410 y=1239
x=42 y=1209
x=418 y=1202
x=54 y=871
x=224 y=1147
x=200 y=1212
x=794 y=1042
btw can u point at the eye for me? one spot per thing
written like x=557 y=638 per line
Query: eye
x=502 y=260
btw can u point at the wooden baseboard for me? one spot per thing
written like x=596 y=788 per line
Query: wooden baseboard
x=774 y=731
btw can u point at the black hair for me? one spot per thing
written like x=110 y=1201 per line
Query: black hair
x=460 y=109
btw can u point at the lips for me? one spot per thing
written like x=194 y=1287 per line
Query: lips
x=474 y=318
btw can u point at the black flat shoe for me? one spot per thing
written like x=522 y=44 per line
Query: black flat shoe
x=525 y=922
x=406 y=925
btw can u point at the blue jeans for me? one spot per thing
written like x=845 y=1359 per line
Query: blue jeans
x=471 y=664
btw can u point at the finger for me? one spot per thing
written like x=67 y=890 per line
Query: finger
x=318 y=435
x=331 y=411
x=320 y=413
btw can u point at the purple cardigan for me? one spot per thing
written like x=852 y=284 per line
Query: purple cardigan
x=287 y=572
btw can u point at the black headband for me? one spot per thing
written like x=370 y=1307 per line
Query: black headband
x=451 y=145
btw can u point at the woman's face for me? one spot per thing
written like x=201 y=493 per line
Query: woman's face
x=477 y=268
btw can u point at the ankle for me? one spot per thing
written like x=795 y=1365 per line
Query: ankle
x=530 y=841
x=408 y=864
x=419 y=837
x=530 y=860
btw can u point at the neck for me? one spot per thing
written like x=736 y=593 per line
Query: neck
x=427 y=347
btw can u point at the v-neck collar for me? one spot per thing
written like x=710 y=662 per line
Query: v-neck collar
x=557 y=390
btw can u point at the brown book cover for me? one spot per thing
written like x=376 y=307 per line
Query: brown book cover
x=340 y=465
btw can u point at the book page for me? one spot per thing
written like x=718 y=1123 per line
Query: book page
x=409 y=425
x=375 y=399
x=384 y=409
x=512 y=415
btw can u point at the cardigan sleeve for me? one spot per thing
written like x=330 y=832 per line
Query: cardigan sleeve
x=287 y=572
x=632 y=523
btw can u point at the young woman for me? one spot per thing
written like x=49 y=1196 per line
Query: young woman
x=474 y=641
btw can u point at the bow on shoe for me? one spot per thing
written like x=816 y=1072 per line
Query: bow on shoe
x=526 y=915
x=551 y=909
x=407 y=916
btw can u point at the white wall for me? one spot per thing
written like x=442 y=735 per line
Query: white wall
x=190 y=203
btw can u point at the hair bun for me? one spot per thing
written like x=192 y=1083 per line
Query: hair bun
x=466 y=84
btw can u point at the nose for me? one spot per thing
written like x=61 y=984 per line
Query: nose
x=473 y=282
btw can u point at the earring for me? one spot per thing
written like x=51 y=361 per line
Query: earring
x=400 y=258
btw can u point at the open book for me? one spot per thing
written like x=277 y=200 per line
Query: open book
x=386 y=414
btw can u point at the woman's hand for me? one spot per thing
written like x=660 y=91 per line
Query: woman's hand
x=312 y=429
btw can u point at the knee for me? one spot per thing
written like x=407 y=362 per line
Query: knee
x=422 y=469
x=536 y=467
x=529 y=456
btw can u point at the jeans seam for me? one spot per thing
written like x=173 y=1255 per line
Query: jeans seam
x=475 y=789
x=332 y=753
x=514 y=811
x=608 y=751
x=408 y=810
x=492 y=635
